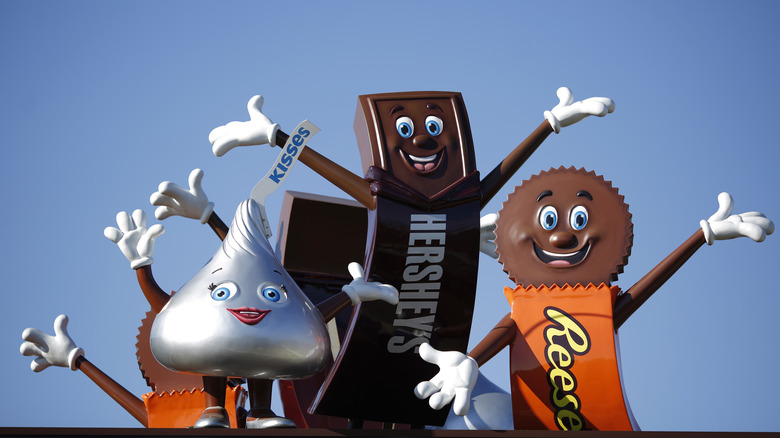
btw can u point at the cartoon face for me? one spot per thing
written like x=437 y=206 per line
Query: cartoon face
x=241 y=315
x=422 y=139
x=564 y=226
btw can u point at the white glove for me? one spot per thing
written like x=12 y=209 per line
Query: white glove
x=58 y=350
x=173 y=200
x=455 y=380
x=487 y=235
x=567 y=113
x=133 y=238
x=360 y=290
x=721 y=226
x=258 y=130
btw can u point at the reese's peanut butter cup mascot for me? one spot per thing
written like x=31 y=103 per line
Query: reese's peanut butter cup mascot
x=241 y=315
x=564 y=236
x=423 y=194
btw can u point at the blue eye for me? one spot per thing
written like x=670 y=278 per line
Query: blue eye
x=223 y=291
x=579 y=217
x=405 y=126
x=548 y=218
x=220 y=294
x=434 y=125
x=272 y=294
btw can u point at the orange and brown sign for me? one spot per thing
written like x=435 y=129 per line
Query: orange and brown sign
x=565 y=366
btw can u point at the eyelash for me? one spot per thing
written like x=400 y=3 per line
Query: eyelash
x=212 y=286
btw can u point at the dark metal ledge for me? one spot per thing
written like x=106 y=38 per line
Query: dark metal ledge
x=131 y=432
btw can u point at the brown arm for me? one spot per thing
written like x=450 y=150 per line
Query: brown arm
x=496 y=340
x=353 y=185
x=331 y=307
x=218 y=226
x=499 y=176
x=630 y=301
x=125 y=398
x=156 y=297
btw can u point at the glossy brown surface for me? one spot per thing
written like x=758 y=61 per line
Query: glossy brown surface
x=629 y=302
x=382 y=144
x=351 y=184
x=418 y=156
x=132 y=404
x=154 y=294
x=437 y=289
x=534 y=254
x=418 y=159
x=501 y=174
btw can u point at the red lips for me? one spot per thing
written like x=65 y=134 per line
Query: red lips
x=249 y=315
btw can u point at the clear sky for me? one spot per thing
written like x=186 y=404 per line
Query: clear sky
x=101 y=101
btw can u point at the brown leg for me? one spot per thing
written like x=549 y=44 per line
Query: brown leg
x=214 y=414
x=260 y=414
x=260 y=398
x=215 y=391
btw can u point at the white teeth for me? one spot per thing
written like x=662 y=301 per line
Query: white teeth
x=423 y=159
x=556 y=255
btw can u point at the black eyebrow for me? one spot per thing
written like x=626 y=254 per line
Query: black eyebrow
x=544 y=194
x=218 y=269
x=396 y=109
x=585 y=194
x=434 y=106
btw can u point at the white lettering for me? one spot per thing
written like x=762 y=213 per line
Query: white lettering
x=420 y=290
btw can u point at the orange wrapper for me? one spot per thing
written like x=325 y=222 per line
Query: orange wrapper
x=565 y=371
x=182 y=409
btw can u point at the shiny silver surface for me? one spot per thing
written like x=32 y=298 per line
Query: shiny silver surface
x=197 y=333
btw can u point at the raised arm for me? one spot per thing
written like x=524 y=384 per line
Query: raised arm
x=154 y=294
x=356 y=187
x=628 y=302
x=137 y=244
x=217 y=225
x=259 y=129
x=60 y=350
x=720 y=226
x=174 y=200
x=499 y=176
x=566 y=113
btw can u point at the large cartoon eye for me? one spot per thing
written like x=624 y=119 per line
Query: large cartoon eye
x=223 y=291
x=578 y=217
x=434 y=125
x=405 y=126
x=274 y=294
x=548 y=217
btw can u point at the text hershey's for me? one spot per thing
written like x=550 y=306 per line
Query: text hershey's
x=419 y=292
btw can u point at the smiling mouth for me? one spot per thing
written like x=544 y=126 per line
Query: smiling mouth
x=424 y=164
x=249 y=315
x=567 y=259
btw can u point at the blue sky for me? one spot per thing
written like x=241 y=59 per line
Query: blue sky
x=104 y=100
